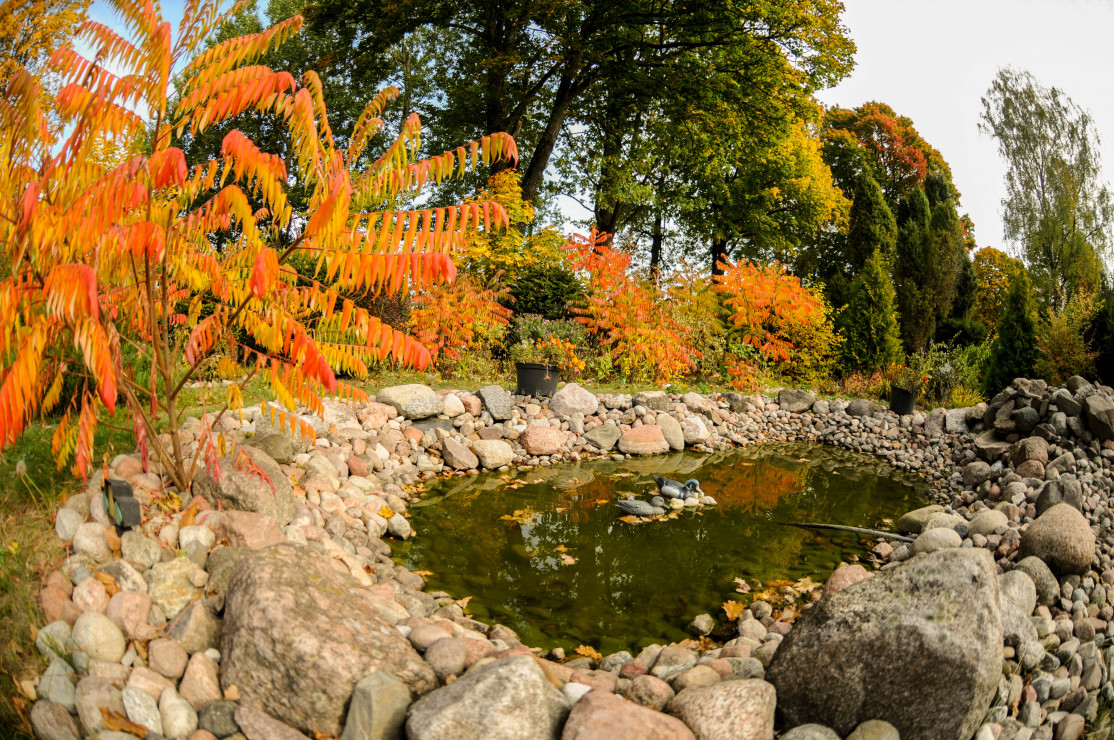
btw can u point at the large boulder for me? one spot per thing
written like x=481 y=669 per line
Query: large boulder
x=695 y=431
x=539 y=440
x=604 y=436
x=572 y=399
x=1062 y=538
x=244 y=487
x=509 y=699
x=298 y=635
x=601 y=715
x=414 y=401
x=935 y=621
x=1030 y=448
x=1099 y=411
x=644 y=440
x=653 y=400
x=280 y=447
x=493 y=453
x=732 y=710
x=989 y=446
x=795 y=401
x=497 y=401
x=457 y=455
x=672 y=431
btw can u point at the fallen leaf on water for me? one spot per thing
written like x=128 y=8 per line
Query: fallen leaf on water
x=602 y=501
x=463 y=603
x=621 y=475
x=630 y=519
x=559 y=509
x=733 y=609
x=561 y=548
x=423 y=573
x=590 y=652
x=567 y=559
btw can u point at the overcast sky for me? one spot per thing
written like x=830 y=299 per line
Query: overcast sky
x=933 y=60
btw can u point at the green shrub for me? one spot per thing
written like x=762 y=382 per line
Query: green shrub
x=1064 y=350
x=546 y=290
x=1100 y=335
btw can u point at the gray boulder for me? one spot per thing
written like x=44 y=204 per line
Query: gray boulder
x=1059 y=492
x=860 y=407
x=659 y=400
x=457 y=455
x=278 y=446
x=1099 y=412
x=497 y=401
x=914 y=521
x=414 y=401
x=509 y=699
x=604 y=436
x=1047 y=587
x=731 y=710
x=246 y=490
x=378 y=708
x=298 y=635
x=955 y=421
x=989 y=447
x=795 y=401
x=934 y=620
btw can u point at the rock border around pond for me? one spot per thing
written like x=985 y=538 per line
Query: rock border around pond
x=280 y=615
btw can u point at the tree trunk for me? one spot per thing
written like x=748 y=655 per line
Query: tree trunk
x=656 y=241
x=566 y=92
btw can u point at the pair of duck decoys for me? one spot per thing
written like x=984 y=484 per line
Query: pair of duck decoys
x=668 y=488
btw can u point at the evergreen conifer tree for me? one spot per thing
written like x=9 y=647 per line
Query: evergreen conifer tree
x=870 y=225
x=871 y=337
x=913 y=263
x=1014 y=351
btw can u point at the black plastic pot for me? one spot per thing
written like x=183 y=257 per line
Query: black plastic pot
x=902 y=401
x=535 y=379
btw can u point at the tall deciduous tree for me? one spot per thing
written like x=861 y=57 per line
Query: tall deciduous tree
x=871 y=339
x=530 y=67
x=1057 y=206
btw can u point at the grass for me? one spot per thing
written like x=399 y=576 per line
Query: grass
x=27 y=549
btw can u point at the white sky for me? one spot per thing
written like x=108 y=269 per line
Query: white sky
x=933 y=60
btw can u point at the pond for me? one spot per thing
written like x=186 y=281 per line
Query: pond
x=544 y=551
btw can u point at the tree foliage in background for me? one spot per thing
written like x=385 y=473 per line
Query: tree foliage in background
x=1062 y=341
x=1057 y=207
x=107 y=257
x=1014 y=351
x=30 y=31
x=993 y=268
x=871 y=339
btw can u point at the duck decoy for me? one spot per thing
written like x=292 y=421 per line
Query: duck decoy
x=675 y=489
x=634 y=507
x=121 y=505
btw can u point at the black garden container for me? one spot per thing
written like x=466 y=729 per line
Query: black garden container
x=902 y=401
x=535 y=379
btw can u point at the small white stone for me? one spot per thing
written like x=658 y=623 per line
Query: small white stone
x=66 y=524
x=179 y=718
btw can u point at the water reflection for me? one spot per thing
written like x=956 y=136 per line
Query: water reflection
x=544 y=552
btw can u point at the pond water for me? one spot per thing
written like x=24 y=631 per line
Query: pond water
x=544 y=551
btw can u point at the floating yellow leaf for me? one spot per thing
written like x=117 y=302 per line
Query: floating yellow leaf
x=561 y=548
x=587 y=651
x=463 y=603
x=386 y=512
x=423 y=573
x=630 y=519
x=567 y=559
x=733 y=609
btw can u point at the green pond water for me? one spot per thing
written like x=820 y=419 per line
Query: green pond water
x=544 y=551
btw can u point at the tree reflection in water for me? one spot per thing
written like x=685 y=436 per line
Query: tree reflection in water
x=548 y=556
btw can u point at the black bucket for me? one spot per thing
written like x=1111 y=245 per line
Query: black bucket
x=902 y=401
x=537 y=380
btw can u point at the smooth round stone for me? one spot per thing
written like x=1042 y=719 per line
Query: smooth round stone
x=95 y=635
x=875 y=729
x=810 y=732
x=935 y=539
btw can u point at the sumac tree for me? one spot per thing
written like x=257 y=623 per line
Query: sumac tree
x=108 y=256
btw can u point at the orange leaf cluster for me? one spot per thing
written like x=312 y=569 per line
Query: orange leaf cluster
x=106 y=254
x=450 y=318
x=766 y=302
x=629 y=317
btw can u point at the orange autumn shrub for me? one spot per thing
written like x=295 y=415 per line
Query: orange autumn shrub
x=631 y=319
x=451 y=318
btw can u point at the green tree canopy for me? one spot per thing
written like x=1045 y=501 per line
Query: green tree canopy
x=1057 y=206
x=1014 y=351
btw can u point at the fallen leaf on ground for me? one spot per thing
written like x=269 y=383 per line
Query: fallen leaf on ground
x=386 y=512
